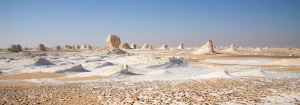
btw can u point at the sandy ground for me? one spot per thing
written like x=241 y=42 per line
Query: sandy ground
x=150 y=77
x=36 y=75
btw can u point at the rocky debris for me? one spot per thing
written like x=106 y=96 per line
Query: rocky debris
x=180 y=46
x=133 y=45
x=113 y=41
x=42 y=61
x=124 y=46
x=206 y=48
x=210 y=92
x=41 y=47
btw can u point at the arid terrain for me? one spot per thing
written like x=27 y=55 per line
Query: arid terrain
x=151 y=75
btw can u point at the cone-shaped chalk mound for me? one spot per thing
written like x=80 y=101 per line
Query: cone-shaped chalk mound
x=180 y=46
x=145 y=46
x=73 y=68
x=133 y=46
x=19 y=47
x=206 y=49
x=164 y=47
x=41 y=47
x=232 y=49
x=57 y=47
x=42 y=61
x=12 y=48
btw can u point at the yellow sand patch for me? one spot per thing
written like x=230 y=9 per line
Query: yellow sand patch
x=207 y=63
x=269 y=66
x=191 y=61
x=294 y=69
x=17 y=84
x=4 y=69
x=37 y=75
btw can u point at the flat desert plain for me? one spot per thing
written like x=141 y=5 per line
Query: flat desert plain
x=151 y=76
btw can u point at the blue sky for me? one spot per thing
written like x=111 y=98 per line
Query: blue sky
x=157 y=22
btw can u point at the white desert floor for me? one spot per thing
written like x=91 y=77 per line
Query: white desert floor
x=248 y=69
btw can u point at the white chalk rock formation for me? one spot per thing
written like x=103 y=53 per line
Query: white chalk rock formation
x=41 y=47
x=84 y=46
x=124 y=46
x=257 y=49
x=145 y=46
x=180 y=46
x=12 y=48
x=133 y=45
x=113 y=41
x=150 y=47
x=206 y=49
x=77 y=47
x=19 y=47
x=232 y=49
x=57 y=47
x=42 y=61
x=73 y=47
x=68 y=47
x=164 y=47
x=89 y=47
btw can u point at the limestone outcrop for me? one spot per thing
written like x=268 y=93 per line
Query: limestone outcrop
x=113 y=41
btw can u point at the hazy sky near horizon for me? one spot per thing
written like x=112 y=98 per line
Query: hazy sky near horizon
x=157 y=22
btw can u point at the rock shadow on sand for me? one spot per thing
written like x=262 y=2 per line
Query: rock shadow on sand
x=73 y=69
x=105 y=64
x=171 y=64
